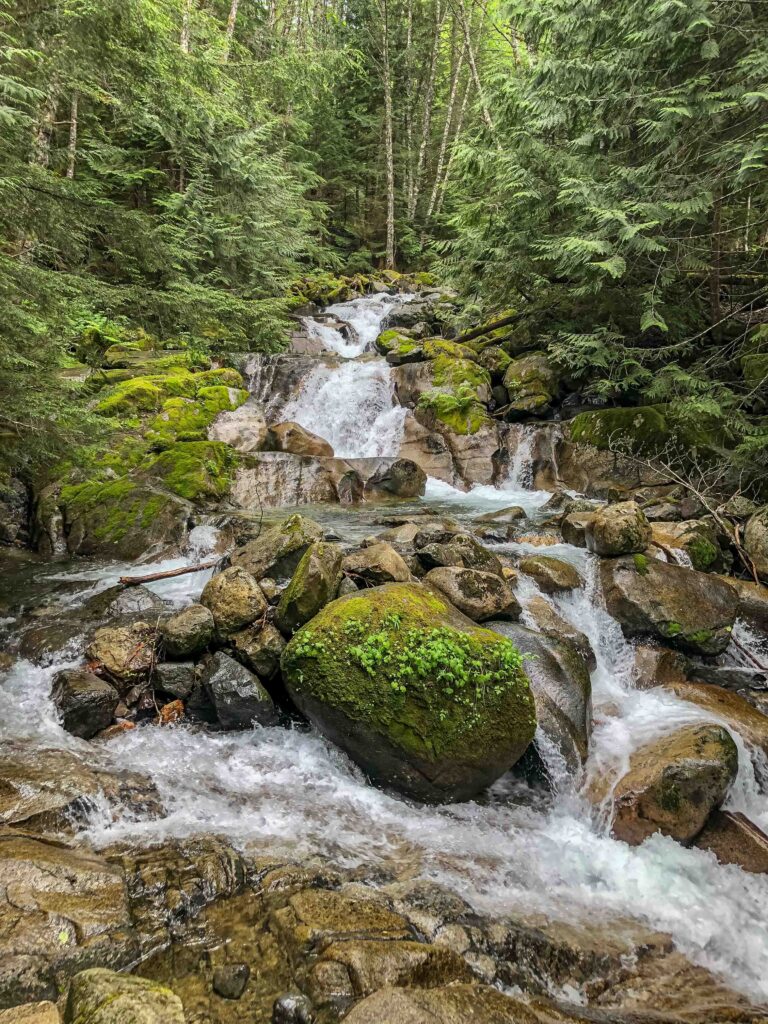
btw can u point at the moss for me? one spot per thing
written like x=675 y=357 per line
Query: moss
x=136 y=395
x=453 y=373
x=700 y=638
x=670 y=797
x=671 y=629
x=643 y=428
x=755 y=370
x=393 y=341
x=436 y=347
x=702 y=552
x=641 y=564
x=195 y=470
x=111 y=510
x=393 y=658
x=225 y=376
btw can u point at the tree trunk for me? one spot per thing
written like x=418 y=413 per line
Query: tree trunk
x=714 y=273
x=446 y=131
x=72 y=147
x=230 y=31
x=456 y=135
x=426 y=120
x=389 y=140
x=408 y=113
x=186 y=20
x=473 y=66
x=42 y=143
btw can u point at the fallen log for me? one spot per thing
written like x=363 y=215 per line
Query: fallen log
x=134 y=581
x=478 y=332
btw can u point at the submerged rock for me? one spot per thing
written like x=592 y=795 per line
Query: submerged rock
x=673 y=784
x=277 y=551
x=313 y=585
x=85 y=702
x=99 y=996
x=452 y=1004
x=734 y=839
x=371 y=671
x=188 y=631
x=234 y=599
x=236 y=694
x=479 y=595
x=119 y=600
x=229 y=980
x=688 y=610
x=620 y=529
x=552 y=624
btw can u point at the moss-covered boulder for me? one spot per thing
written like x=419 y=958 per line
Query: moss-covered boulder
x=420 y=697
x=478 y=595
x=619 y=529
x=532 y=384
x=495 y=360
x=756 y=542
x=189 y=419
x=234 y=599
x=697 y=538
x=691 y=611
x=673 y=784
x=312 y=586
x=276 y=552
x=199 y=471
x=398 y=345
x=642 y=429
x=553 y=575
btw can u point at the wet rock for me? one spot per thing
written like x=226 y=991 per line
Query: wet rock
x=124 y=654
x=691 y=611
x=174 y=677
x=546 y=620
x=119 y=601
x=171 y=713
x=561 y=688
x=756 y=542
x=85 y=702
x=401 y=478
x=229 y=980
x=697 y=538
x=656 y=666
x=620 y=529
x=734 y=839
x=574 y=528
x=753 y=602
x=14 y=511
x=292 y=437
x=479 y=595
x=508 y=516
x=293 y=1009
x=279 y=479
x=236 y=694
x=54 y=790
x=234 y=599
x=552 y=575
x=99 y=996
x=259 y=648
x=428 y=449
x=187 y=632
x=532 y=384
x=312 y=586
x=474 y=451
x=452 y=1004
x=276 y=552
x=244 y=429
x=376 y=564
x=31 y=1013
x=61 y=910
x=461 y=550
x=495 y=360
x=673 y=784
x=728 y=707
x=437 y=531
x=386 y=708
x=44 y=644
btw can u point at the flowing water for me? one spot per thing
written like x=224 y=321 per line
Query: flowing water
x=292 y=793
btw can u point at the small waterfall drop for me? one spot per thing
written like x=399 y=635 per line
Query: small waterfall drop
x=520 y=476
x=365 y=317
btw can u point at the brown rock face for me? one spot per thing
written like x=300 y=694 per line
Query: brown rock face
x=730 y=707
x=734 y=839
x=691 y=611
x=461 y=550
x=234 y=599
x=553 y=575
x=124 y=654
x=427 y=449
x=620 y=529
x=376 y=564
x=479 y=595
x=292 y=437
x=106 y=997
x=673 y=784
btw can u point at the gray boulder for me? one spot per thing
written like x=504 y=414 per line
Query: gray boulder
x=234 y=599
x=85 y=702
x=188 y=631
x=479 y=595
x=237 y=696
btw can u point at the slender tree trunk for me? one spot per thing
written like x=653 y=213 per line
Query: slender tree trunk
x=389 y=139
x=456 y=136
x=41 y=150
x=446 y=131
x=473 y=66
x=426 y=120
x=186 y=24
x=72 y=147
x=408 y=116
x=230 y=30
x=714 y=273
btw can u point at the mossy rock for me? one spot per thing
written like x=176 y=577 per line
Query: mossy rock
x=464 y=421
x=453 y=373
x=642 y=429
x=421 y=698
x=436 y=347
x=99 y=996
x=119 y=518
x=532 y=384
x=395 y=343
x=196 y=470
x=224 y=376
x=136 y=395
x=186 y=419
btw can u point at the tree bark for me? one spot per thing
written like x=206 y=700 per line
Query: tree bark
x=230 y=30
x=426 y=120
x=473 y=66
x=714 y=273
x=389 y=140
x=456 y=136
x=446 y=131
x=72 y=147
x=186 y=20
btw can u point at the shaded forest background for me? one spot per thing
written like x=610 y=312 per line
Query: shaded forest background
x=180 y=167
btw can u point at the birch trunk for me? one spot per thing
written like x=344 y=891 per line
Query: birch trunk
x=426 y=121
x=446 y=131
x=186 y=19
x=389 y=140
x=473 y=66
x=72 y=146
x=230 y=31
x=456 y=135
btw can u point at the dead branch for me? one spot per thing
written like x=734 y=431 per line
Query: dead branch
x=133 y=581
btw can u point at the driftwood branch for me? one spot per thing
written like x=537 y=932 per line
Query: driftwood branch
x=133 y=581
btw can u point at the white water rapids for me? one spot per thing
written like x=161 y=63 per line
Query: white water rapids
x=293 y=793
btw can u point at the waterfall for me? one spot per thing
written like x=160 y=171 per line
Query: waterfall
x=520 y=476
x=364 y=315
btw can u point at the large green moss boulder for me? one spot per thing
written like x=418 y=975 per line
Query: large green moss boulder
x=199 y=471
x=277 y=552
x=532 y=384
x=643 y=429
x=313 y=585
x=421 y=698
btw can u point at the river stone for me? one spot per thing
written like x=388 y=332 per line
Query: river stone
x=507 y=516
x=734 y=839
x=753 y=601
x=461 y=550
x=188 y=631
x=85 y=702
x=236 y=694
x=60 y=909
x=756 y=542
x=119 y=600
x=259 y=648
x=479 y=595
x=31 y=1013
x=99 y=996
x=561 y=688
x=574 y=528
x=727 y=707
x=229 y=980
x=532 y=384
x=552 y=575
x=277 y=551
x=697 y=538
x=673 y=784
x=656 y=665
x=125 y=654
x=292 y=437
x=376 y=564
x=293 y=1008
x=313 y=585
x=451 y=1004
x=365 y=672
x=174 y=677
x=244 y=428
x=234 y=599
x=427 y=448
x=474 y=453
x=620 y=529
x=540 y=613
x=401 y=478
x=691 y=611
